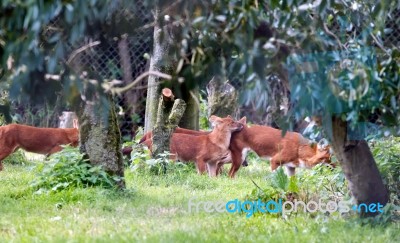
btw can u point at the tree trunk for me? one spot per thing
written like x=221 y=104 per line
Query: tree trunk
x=170 y=112
x=67 y=119
x=131 y=98
x=361 y=172
x=222 y=98
x=157 y=63
x=100 y=138
x=190 y=119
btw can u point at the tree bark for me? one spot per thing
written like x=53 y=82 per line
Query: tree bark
x=222 y=98
x=359 y=167
x=67 y=119
x=157 y=63
x=190 y=119
x=100 y=138
x=170 y=112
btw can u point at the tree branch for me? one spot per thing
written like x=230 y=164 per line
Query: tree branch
x=138 y=79
x=81 y=49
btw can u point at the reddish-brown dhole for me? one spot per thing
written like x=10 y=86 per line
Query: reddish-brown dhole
x=291 y=150
x=206 y=150
x=34 y=139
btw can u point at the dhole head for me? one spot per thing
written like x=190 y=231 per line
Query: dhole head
x=74 y=139
x=323 y=154
x=226 y=123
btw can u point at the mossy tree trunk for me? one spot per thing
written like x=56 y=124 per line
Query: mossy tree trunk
x=158 y=62
x=170 y=112
x=359 y=167
x=100 y=138
x=222 y=98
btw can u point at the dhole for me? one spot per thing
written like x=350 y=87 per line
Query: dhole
x=292 y=150
x=34 y=139
x=147 y=140
x=206 y=150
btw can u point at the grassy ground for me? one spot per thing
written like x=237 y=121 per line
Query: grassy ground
x=155 y=208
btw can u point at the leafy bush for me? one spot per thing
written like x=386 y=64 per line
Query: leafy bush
x=387 y=155
x=16 y=158
x=203 y=109
x=279 y=186
x=68 y=169
x=320 y=182
x=142 y=163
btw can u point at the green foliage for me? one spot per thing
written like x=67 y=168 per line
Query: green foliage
x=143 y=163
x=390 y=214
x=68 y=169
x=322 y=182
x=387 y=155
x=279 y=186
x=16 y=158
x=326 y=55
x=38 y=35
x=319 y=183
x=279 y=180
x=203 y=116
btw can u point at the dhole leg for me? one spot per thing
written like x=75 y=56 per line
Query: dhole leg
x=236 y=163
x=201 y=167
x=290 y=171
x=212 y=169
x=55 y=149
x=3 y=154
x=220 y=167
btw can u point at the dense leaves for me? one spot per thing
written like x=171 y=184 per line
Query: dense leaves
x=69 y=169
x=36 y=35
x=330 y=55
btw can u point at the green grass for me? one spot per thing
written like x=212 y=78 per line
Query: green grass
x=155 y=208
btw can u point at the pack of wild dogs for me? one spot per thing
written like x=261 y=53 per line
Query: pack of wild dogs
x=228 y=142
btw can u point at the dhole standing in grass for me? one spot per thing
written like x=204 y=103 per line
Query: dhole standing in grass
x=291 y=150
x=206 y=149
x=34 y=139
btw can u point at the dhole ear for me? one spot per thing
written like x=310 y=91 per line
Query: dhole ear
x=243 y=120
x=215 y=120
x=75 y=123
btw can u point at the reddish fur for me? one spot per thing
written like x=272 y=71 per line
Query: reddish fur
x=210 y=149
x=147 y=138
x=268 y=142
x=34 y=139
x=205 y=148
x=265 y=141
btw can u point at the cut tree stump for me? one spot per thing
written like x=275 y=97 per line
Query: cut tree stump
x=67 y=119
x=170 y=112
